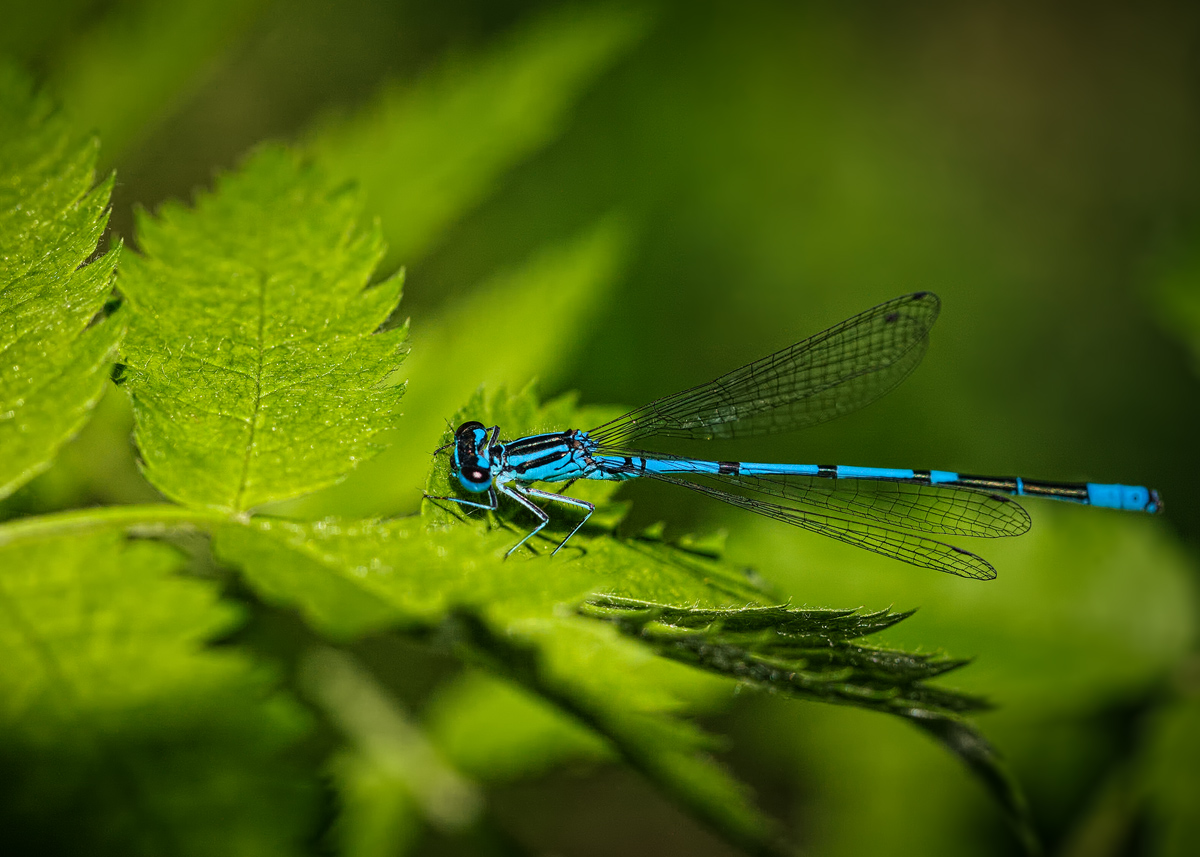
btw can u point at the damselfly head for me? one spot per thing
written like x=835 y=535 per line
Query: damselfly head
x=472 y=462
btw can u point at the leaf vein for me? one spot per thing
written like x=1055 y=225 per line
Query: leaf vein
x=250 y=442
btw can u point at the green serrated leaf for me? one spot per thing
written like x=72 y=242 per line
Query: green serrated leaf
x=428 y=152
x=113 y=714
x=811 y=654
x=53 y=360
x=255 y=362
x=807 y=653
x=332 y=569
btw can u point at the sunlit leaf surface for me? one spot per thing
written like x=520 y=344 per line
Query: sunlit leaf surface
x=53 y=360
x=254 y=358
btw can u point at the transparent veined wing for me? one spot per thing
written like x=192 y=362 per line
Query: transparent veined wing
x=829 y=374
x=912 y=548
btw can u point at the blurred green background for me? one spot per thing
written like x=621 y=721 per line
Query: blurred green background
x=715 y=181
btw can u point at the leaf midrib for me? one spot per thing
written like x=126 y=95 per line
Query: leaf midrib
x=258 y=397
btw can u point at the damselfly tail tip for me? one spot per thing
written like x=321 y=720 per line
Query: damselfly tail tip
x=1155 y=506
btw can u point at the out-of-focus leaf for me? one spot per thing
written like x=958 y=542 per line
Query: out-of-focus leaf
x=1178 y=302
x=870 y=774
x=255 y=364
x=122 y=734
x=1090 y=606
x=132 y=67
x=632 y=702
x=1172 y=771
x=378 y=816
x=30 y=28
x=484 y=338
x=53 y=360
x=426 y=153
x=390 y=777
x=495 y=731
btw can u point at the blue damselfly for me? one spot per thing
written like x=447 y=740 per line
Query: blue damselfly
x=890 y=511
